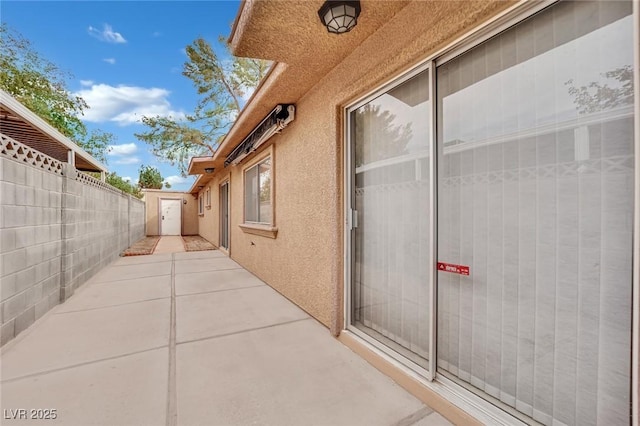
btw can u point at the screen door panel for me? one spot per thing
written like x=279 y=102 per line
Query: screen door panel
x=390 y=287
x=535 y=196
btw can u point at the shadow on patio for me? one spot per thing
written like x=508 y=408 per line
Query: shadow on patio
x=193 y=338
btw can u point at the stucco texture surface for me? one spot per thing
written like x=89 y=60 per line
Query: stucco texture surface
x=304 y=262
x=209 y=222
x=189 y=211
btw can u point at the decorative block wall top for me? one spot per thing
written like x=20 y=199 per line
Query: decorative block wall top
x=11 y=148
x=91 y=181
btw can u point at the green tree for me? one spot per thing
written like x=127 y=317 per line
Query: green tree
x=378 y=136
x=221 y=84
x=97 y=144
x=41 y=86
x=614 y=89
x=150 y=178
x=116 y=181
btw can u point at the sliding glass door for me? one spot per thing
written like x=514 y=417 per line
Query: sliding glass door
x=224 y=215
x=534 y=158
x=535 y=198
x=391 y=238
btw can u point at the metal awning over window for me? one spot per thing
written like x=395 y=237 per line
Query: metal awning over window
x=273 y=123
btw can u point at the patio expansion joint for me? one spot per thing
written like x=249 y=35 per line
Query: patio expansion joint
x=81 y=364
x=172 y=397
x=132 y=263
x=211 y=270
x=111 y=306
x=233 y=333
x=126 y=279
x=220 y=291
x=415 y=417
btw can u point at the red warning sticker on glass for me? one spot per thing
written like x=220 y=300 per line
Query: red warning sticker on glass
x=455 y=269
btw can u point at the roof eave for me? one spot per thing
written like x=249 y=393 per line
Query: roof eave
x=232 y=137
x=201 y=180
x=198 y=164
x=236 y=22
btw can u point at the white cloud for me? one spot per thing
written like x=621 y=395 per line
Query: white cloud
x=86 y=83
x=175 y=180
x=123 y=149
x=130 y=180
x=107 y=34
x=247 y=93
x=233 y=115
x=128 y=160
x=126 y=104
x=110 y=60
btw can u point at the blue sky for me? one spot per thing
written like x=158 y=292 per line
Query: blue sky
x=126 y=59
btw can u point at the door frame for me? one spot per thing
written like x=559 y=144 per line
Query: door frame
x=160 y=213
x=349 y=176
x=226 y=182
x=463 y=398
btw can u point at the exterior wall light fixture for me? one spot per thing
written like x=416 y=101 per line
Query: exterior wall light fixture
x=339 y=16
x=209 y=170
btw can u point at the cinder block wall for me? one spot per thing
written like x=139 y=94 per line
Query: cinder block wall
x=56 y=232
x=99 y=222
x=30 y=245
x=136 y=220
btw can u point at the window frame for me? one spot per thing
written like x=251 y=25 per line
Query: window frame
x=207 y=202
x=254 y=165
x=201 y=204
x=226 y=180
x=265 y=229
x=428 y=371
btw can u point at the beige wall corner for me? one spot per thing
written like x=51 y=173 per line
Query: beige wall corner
x=209 y=220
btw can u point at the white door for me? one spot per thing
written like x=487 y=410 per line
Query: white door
x=170 y=217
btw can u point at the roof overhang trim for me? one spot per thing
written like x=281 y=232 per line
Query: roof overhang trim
x=198 y=184
x=28 y=119
x=199 y=165
x=278 y=119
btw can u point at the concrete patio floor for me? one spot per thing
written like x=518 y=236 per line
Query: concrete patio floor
x=192 y=339
x=172 y=244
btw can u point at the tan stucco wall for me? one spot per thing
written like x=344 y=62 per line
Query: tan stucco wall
x=151 y=198
x=305 y=262
x=209 y=222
